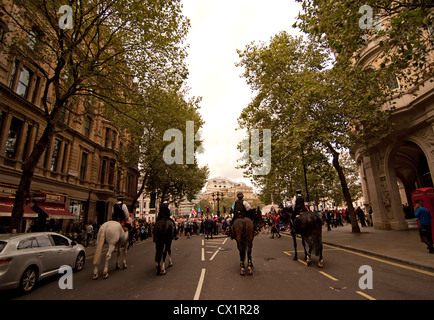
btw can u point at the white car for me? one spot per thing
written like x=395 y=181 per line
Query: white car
x=27 y=258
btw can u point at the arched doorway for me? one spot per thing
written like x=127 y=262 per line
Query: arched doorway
x=412 y=172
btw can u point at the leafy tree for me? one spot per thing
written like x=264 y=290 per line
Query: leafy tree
x=314 y=108
x=115 y=50
x=402 y=29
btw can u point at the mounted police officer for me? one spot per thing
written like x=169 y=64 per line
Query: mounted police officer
x=240 y=208
x=165 y=211
x=120 y=213
x=297 y=204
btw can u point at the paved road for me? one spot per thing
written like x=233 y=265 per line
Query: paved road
x=209 y=270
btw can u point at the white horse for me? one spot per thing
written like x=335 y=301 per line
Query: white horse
x=112 y=233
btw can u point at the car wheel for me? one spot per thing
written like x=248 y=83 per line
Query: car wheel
x=79 y=262
x=29 y=279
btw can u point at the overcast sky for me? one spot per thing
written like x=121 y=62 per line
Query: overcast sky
x=218 y=29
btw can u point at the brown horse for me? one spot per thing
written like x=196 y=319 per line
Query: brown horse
x=163 y=233
x=243 y=231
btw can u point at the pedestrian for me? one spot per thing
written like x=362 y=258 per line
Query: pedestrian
x=89 y=233
x=425 y=231
x=328 y=217
x=361 y=215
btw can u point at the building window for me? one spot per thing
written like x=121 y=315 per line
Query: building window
x=13 y=74
x=34 y=36
x=12 y=139
x=111 y=173
x=107 y=137
x=65 y=152
x=393 y=83
x=55 y=155
x=83 y=165
x=118 y=181
x=102 y=177
x=87 y=123
x=114 y=134
x=24 y=82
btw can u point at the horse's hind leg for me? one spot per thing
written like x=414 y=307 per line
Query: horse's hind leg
x=294 y=239
x=117 y=257
x=308 y=255
x=321 y=260
x=303 y=242
x=95 y=272
x=242 y=249
x=169 y=256
x=124 y=264
x=249 y=257
x=159 y=255
x=107 y=260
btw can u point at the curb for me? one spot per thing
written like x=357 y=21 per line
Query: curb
x=382 y=256
x=374 y=254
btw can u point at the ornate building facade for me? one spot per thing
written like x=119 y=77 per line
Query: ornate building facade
x=80 y=173
x=393 y=167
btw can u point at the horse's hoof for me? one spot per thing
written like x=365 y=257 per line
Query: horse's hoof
x=105 y=275
x=321 y=263
x=243 y=271
x=308 y=261
x=124 y=266
x=95 y=276
x=162 y=272
x=249 y=271
x=295 y=258
x=170 y=265
x=117 y=267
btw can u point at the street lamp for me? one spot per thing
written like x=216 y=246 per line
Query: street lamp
x=219 y=196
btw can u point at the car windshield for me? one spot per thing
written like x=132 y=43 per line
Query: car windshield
x=2 y=245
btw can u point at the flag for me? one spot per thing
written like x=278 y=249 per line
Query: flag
x=193 y=212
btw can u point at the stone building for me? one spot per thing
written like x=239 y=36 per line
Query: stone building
x=393 y=167
x=80 y=171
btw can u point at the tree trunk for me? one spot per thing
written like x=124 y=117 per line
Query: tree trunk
x=26 y=179
x=354 y=225
x=142 y=188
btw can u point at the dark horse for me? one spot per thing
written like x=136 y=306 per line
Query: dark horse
x=209 y=226
x=243 y=231
x=309 y=226
x=163 y=233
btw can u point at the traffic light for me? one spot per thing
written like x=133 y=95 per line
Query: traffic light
x=207 y=209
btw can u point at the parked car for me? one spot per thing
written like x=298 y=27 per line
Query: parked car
x=27 y=258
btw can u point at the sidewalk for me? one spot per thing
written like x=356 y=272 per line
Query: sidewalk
x=400 y=246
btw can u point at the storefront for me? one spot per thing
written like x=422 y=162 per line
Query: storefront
x=6 y=206
x=52 y=212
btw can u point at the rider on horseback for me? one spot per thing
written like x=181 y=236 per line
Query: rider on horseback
x=166 y=212
x=297 y=205
x=120 y=213
x=240 y=209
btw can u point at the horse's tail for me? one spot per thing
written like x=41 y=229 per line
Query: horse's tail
x=99 y=244
x=317 y=238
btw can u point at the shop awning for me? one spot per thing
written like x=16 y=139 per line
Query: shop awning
x=55 y=211
x=7 y=204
